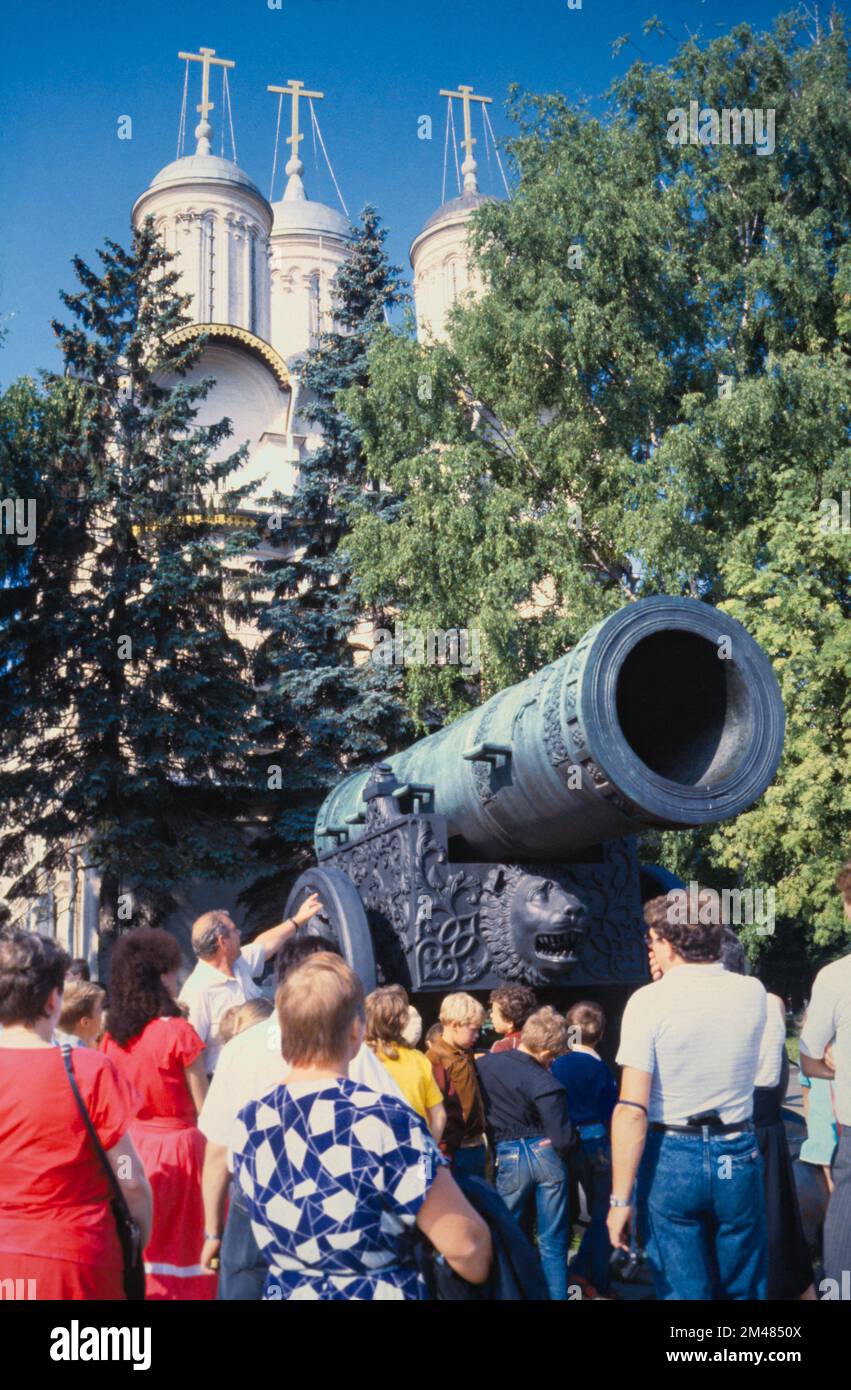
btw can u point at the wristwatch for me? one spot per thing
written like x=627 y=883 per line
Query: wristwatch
x=620 y=1202
x=207 y=1236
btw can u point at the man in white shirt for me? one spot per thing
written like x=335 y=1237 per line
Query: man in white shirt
x=250 y=1066
x=690 y=1050
x=828 y=1021
x=226 y=970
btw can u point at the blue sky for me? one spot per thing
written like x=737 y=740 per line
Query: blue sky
x=69 y=71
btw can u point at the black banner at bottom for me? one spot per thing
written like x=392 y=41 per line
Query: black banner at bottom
x=198 y=1337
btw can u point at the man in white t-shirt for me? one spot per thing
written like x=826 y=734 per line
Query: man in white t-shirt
x=828 y=1021
x=250 y=1066
x=690 y=1050
x=226 y=970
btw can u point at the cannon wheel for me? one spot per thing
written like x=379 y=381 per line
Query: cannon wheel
x=344 y=916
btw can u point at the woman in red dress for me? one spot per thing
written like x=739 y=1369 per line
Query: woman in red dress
x=57 y=1231
x=159 y=1053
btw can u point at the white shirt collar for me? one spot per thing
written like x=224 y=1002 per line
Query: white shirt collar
x=212 y=975
x=712 y=967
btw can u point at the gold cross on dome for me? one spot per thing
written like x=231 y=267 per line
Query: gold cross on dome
x=206 y=58
x=296 y=90
x=466 y=95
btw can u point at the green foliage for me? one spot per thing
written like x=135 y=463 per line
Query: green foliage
x=594 y=381
x=125 y=712
x=323 y=715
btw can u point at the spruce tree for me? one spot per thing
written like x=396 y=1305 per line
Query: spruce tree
x=125 y=708
x=324 y=714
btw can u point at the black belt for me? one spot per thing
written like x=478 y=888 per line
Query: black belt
x=730 y=1128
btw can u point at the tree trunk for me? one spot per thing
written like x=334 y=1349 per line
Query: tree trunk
x=108 y=925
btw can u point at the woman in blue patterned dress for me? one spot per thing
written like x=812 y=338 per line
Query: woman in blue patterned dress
x=336 y=1176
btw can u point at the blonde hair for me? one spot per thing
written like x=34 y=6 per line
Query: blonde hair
x=386 y=1018
x=227 y=1024
x=546 y=1030
x=413 y=1029
x=241 y=1016
x=80 y=1000
x=462 y=1008
x=317 y=1004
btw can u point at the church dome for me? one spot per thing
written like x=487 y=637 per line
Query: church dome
x=214 y=219
x=308 y=242
x=440 y=259
x=303 y=215
x=204 y=169
x=457 y=207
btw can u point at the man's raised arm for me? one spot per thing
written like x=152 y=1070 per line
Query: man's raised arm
x=272 y=940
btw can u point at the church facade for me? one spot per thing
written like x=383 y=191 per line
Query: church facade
x=260 y=279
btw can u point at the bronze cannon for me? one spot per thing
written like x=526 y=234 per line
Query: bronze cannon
x=503 y=847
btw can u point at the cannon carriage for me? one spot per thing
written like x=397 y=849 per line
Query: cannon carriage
x=503 y=848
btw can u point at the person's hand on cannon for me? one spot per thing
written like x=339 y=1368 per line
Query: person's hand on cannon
x=273 y=939
x=308 y=909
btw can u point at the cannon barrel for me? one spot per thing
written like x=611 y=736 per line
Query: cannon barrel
x=667 y=713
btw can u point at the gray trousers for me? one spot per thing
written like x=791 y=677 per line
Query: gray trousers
x=837 y=1225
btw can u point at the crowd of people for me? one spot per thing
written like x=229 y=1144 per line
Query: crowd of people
x=320 y=1148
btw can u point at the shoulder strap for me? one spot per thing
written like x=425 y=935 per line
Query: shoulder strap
x=117 y=1194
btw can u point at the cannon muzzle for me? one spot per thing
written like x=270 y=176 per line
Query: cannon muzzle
x=667 y=713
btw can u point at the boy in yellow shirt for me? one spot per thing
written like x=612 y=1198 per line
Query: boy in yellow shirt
x=387 y=1012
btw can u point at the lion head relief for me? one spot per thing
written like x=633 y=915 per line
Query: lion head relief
x=532 y=925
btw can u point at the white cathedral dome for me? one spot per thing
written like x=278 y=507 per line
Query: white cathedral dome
x=455 y=209
x=440 y=261
x=203 y=168
x=308 y=244
x=211 y=215
x=302 y=215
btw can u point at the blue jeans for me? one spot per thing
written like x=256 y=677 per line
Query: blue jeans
x=704 y=1206
x=594 y=1171
x=243 y=1269
x=470 y=1163
x=527 y=1166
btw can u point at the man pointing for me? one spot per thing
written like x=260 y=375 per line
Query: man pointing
x=226 y=970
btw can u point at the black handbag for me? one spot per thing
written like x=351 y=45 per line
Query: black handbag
x=129 y=1231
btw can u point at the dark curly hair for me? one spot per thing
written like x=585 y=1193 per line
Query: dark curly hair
x=136 y=992
x=697 y=942
x=30 y=968
x=843 y=881
x=516 y=1003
